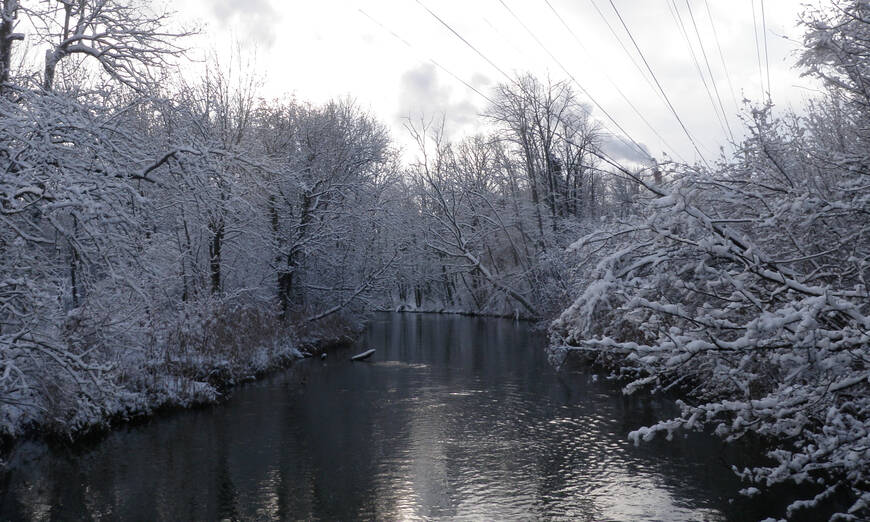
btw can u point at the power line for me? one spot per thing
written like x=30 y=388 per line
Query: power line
x=670 y=105
x=675 y=14
x=710 y=70
x=757 y=47
x=613 y=83
x=472 y=47
x=445 y=24
x=721 y=55
x=626 y=51
x=408 y=44
x=588 y=95
x=766 y=58
x=600 y=154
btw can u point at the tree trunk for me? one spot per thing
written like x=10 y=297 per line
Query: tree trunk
x=284 y=277
x=214 y=251
x=8 y=12
x=533 y=185
x=73 y=267
x=53 y=56
x=447 y=286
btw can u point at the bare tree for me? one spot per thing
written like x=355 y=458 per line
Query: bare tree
x=555 y=138
x=457 y=198
x=127 y=39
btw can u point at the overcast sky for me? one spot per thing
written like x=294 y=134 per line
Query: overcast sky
x=324 y=49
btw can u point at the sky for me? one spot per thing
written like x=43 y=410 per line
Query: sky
x=325 y=49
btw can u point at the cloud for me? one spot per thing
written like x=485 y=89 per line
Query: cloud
x=423 y=95
x=623 y=149
x=257 y=19
x=479 y=80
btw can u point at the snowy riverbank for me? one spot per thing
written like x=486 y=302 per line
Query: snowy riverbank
x=405 y=309
x=197 y=362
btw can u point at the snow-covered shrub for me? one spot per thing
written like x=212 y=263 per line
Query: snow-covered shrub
x=225 y=327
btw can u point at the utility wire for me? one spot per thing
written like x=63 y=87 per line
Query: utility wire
x=609 y=159
x=408 y=44
x=678 y=19
x=766 y=58
x=710 y=70
x=649 y=68
x=587 y=93
x=628 y=53
x=473 y=48
x=613 y=83
x=757 y=47
x=721 y=55
x=600 y=154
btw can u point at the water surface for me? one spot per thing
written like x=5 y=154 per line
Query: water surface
x=453 y=418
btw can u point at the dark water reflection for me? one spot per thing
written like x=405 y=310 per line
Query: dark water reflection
x=454 y=418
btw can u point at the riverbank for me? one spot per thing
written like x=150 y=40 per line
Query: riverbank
x=405 y=309
x=174 y=377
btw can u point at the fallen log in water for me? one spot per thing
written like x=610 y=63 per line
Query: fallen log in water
x=364 y=355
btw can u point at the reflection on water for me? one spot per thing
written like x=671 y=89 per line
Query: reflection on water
x=454 y=417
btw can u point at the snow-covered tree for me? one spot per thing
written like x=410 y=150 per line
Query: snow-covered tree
x=745 y=286
x=128 y=40
x=324 y=203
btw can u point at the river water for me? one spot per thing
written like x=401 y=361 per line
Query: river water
x=453 y=418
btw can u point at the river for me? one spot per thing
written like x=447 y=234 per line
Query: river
x=453 y=418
